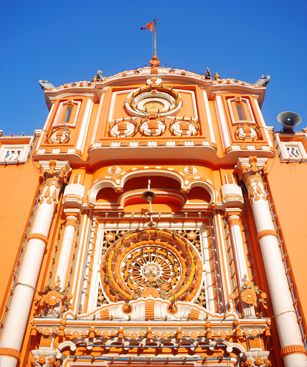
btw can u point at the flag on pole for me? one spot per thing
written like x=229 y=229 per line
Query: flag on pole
x=150 y=25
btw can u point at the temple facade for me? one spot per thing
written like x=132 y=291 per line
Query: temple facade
x=155 y=220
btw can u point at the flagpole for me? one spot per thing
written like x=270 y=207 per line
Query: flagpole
x=155 y=37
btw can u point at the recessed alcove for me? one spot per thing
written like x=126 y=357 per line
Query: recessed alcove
x=107 y=195
x=156 y=182
x=198 y=195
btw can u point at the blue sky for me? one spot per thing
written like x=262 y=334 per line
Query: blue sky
x=65 y=41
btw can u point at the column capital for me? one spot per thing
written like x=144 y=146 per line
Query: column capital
x=72 y=218
x=233 y=216
x=54 y=169
x=251 y=170
x=251 y=166
x=53 y=174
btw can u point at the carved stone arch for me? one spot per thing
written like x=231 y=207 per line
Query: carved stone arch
x=207 y=187
x=99 y=185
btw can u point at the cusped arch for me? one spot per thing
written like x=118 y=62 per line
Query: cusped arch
x=99 y=185
x=206 y=186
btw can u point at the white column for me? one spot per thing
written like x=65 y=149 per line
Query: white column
x=223 y=122
x=208 y=270
x=12 y=334
x=234 y=222
x=292 y=348
x=66 y=248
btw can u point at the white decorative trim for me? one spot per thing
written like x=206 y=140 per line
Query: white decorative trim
x=97 y=120
x=84 y=127
x=207 y=270
x=66 y=247
x=193 y=100
x=80 y=258
x=232 y=192
x=291 y=151
x=73 y=194
x=243 y=100
x=45 y=165
x=93 y=291
x=223 y=123
x=209 y=119
x=113 y=99
x=227 y=289
x=14 y=154
x=45 y=128
x=265 y=128
x=61 y=107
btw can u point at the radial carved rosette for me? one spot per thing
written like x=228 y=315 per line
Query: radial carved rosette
x=151 y=262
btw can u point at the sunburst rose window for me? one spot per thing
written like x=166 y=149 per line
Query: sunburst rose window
x=151 y=262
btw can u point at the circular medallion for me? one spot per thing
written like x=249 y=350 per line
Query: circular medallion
x=184 y=128
x=190 y=170
x=152 y=127
x=151 y=262
x=59 y=135
x=246 y=132
x=123 y=129
x=114 y=170
x=154 y=99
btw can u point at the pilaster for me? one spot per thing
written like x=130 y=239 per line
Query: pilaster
x=293 y=351
x=53 y=176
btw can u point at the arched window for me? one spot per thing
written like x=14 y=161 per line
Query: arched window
x=67 y=113
x=240 y=110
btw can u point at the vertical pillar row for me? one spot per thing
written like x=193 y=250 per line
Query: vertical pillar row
x=234 y=221
x=70 y=229
x=54 y=173
x=292 y=348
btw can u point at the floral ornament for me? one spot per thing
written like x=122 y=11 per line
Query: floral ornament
x=53 y=301
x=45 y=357
x=251 y=295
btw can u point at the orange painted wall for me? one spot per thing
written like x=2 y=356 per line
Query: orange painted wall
x=17 y=194
x=288 y=183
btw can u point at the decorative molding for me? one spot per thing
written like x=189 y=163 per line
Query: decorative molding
x=10 y=352
x=38 y=236
x=292 y=349
x=291 y=151
x=251 y=170
x=14 y=154
x=232 y=192
x=234 y=219
x=267 y=232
